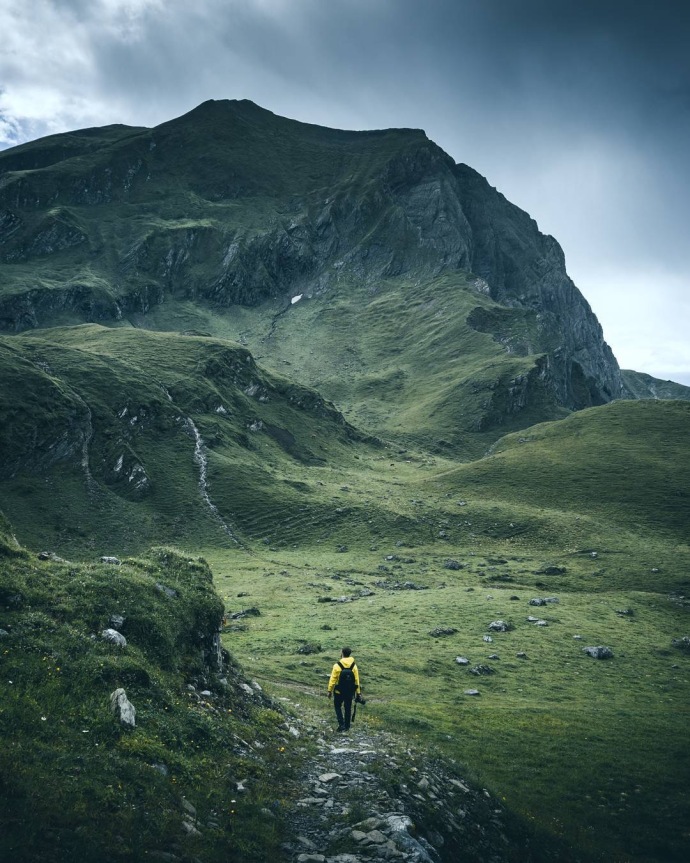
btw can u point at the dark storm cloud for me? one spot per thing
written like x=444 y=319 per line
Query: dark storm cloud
x=578 y=111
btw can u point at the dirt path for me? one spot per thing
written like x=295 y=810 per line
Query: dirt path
x=366 y=796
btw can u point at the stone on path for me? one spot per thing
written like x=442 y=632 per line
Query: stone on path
x=308 y=844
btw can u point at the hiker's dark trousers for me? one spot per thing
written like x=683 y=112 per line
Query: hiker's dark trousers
x=340 y=702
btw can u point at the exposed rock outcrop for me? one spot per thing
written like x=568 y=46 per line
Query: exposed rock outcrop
x=388 y=204
x=122 y=707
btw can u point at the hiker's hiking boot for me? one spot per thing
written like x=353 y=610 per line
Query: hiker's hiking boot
x=342 y=728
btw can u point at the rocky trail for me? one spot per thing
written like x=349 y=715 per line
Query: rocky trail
x=366 y=796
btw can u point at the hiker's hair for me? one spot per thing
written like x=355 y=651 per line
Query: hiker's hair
x=347 y=651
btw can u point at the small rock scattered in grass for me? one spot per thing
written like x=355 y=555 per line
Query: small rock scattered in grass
x=247 y=612
x=452 y=564
x=308 y=648
x=50 y=555
x=123 y=708
x=599 y=652
x=500 y=626
x=114 y=637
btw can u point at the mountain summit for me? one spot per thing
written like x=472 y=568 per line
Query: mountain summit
x=233 y=210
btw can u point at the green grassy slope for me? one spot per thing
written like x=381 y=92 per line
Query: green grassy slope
x=586 y=749
x=100 y=448
x=416 y=363
x=77 y=785
x=625 y=463
x=591 y=509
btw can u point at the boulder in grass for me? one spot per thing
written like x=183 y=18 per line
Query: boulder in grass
x=308 y=648
x=247 y=612
x=480 y=670
x=441 y=631
x=599 y=652
x=499 y=626
x=50 y=555
x=114 y=637
x=123 y=708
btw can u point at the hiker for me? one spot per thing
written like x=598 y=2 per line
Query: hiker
x=344 y=686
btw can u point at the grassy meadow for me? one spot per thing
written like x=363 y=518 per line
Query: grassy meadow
x=295 y=506
x=593 y=751
x=590 y=750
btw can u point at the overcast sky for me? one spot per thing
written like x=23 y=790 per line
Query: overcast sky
x=577 y=110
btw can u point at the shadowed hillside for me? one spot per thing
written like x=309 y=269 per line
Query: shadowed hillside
x=231 y=208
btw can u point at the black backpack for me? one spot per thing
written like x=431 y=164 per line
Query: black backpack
x=346 y=682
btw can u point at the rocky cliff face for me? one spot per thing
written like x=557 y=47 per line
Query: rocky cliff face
x=233 y=205
x=526 y=269
x=641 y=386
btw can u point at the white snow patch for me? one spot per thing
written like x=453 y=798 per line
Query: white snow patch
x=296 y=299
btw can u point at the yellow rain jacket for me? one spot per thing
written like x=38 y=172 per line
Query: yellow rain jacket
x=348 y=662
